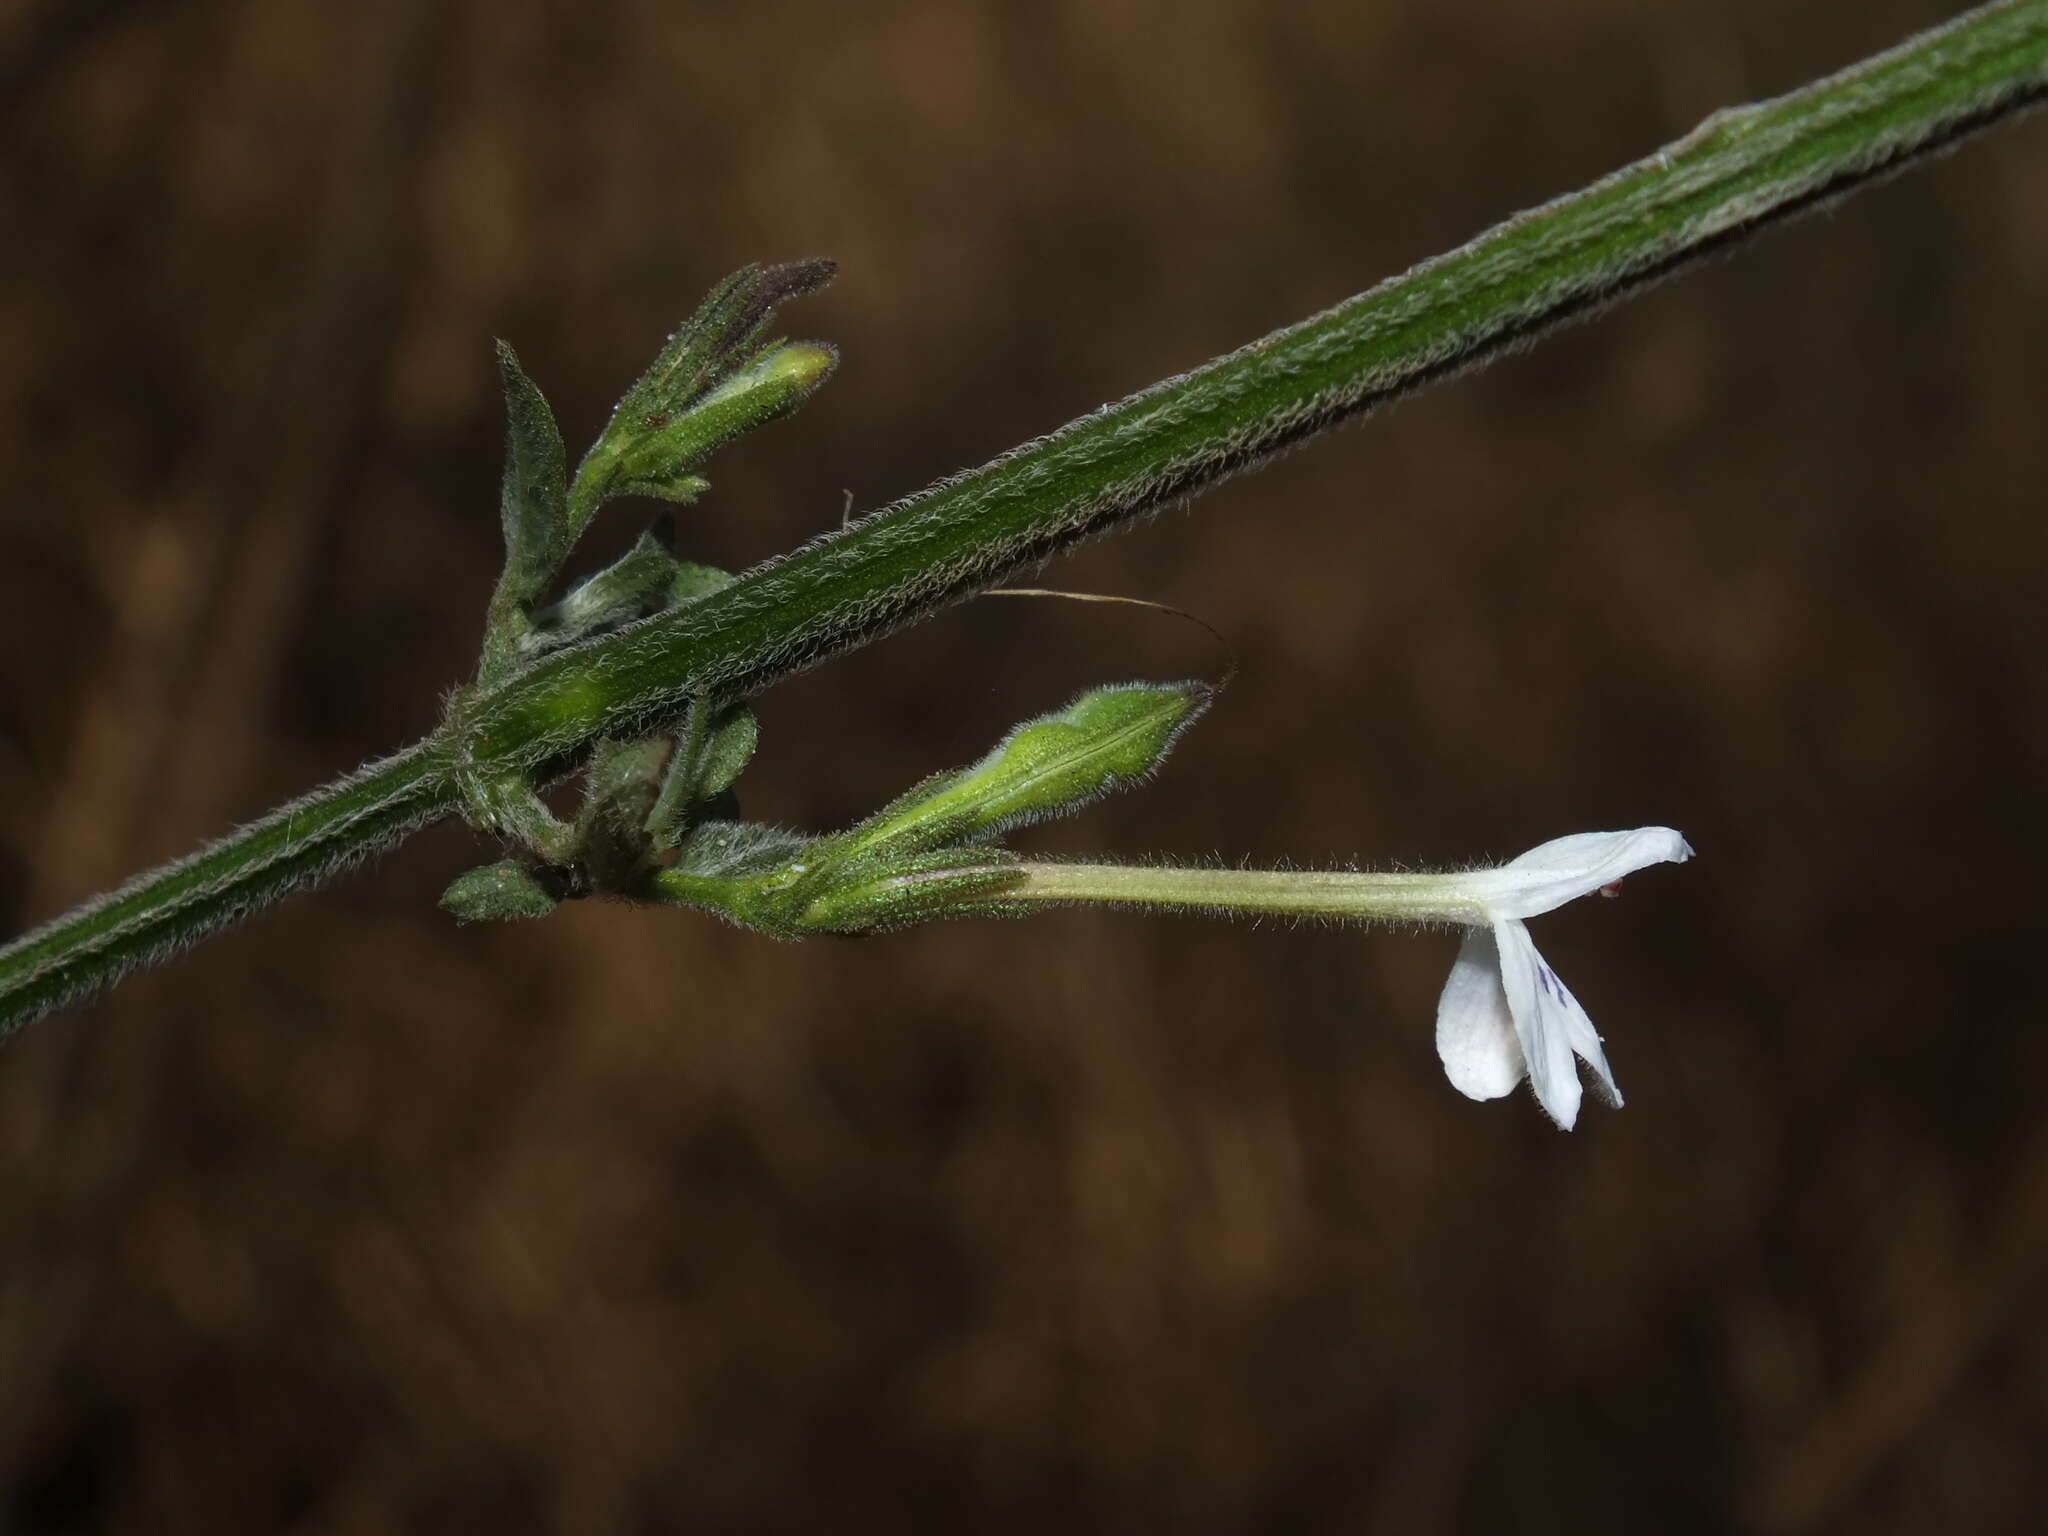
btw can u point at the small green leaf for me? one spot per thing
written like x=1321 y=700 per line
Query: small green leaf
x=497 y=892
x=1107 y=739
x=728 y=746
x=533 y=503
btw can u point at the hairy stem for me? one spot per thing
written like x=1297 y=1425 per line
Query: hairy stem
x=1342 y=895
x=1737 y=172
x=158 y=913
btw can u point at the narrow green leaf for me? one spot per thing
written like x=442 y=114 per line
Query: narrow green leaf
x=715 y=745
x=533 y=502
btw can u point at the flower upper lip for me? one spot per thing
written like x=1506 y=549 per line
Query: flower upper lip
x=1567 y=868
x=1503 y=1013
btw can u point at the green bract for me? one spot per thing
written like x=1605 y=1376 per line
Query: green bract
x=1105 y=740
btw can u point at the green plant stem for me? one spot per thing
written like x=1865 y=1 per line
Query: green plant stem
x=1738 y=171
x=160 y=912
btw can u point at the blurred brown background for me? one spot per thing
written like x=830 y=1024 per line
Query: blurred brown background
x=355 y=1220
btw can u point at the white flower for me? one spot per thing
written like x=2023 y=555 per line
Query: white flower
x=1504 y=1014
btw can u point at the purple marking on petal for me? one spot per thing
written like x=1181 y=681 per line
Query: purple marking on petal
x=1548 y=980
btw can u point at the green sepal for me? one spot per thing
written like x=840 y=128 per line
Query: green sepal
x=716 y=743
x=681 y=486
x=660 y=460
x=1106 y=740
x=497 y=892
x=756 y=876
x=771 y=882
x=737 y=850
x=926 y=887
